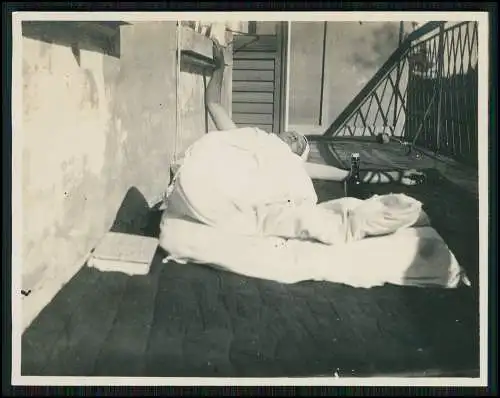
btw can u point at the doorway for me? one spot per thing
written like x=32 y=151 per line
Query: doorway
x=259 y=76
x=278 y=77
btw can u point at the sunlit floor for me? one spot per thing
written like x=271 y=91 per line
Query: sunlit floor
x=193 y=321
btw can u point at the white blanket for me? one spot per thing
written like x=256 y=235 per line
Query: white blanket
x=411 y=256
x=249 y=182
x=253 y=210
x=227 y=177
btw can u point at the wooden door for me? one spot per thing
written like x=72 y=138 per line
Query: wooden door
x=258 y=81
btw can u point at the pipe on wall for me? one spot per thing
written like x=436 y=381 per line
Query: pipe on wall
x=287 y=79
x=178 y=118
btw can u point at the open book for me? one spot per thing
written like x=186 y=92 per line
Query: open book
x=119 y=252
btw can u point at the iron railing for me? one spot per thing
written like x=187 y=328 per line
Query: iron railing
x=425 y=94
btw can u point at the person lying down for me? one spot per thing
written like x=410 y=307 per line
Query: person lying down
x=243 y=199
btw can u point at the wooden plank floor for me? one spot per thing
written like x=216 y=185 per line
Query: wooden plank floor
x=391 y=156
x=191 y=320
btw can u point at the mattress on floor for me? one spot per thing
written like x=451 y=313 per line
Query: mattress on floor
x=194 y=321
x=416 y=256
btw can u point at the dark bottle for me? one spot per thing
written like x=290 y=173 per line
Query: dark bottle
x=353 y=184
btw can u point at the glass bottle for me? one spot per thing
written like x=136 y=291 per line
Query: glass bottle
x=353 y=186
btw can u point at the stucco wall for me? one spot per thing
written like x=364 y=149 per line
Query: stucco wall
x=353 y=53
x=95 y=127
x=306 y=58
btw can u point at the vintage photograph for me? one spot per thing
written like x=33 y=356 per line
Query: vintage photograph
x=239 y=197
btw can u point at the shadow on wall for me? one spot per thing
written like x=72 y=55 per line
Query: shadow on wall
x=196 y=65
x=98 y=36
x=382 y=42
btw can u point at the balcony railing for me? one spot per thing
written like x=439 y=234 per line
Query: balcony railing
x=425 y=94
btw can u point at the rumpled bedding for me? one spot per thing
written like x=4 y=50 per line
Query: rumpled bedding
x=260 y=218
x=411 y=256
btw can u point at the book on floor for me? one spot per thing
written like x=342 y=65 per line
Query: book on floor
x=120 y=252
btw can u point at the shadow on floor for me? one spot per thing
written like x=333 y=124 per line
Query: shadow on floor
x=453 y=212
x=135 y=217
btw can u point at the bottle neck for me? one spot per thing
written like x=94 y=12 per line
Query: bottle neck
x=355 y=171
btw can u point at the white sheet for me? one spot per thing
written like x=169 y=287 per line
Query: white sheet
x=226 y=175
x=249 y=182
x=410 y=256
x=252 y=204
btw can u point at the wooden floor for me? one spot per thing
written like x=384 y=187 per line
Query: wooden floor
x=194 y=321
x=390 y=156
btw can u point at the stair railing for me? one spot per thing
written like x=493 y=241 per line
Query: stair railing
x=424 y=95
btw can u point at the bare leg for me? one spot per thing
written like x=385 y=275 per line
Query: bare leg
x=213 y=95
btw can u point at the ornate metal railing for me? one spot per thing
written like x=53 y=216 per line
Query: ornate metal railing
x=424 y=95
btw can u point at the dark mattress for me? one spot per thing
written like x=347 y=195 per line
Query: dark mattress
x=194 y=321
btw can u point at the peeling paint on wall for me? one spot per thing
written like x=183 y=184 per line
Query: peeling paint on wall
x=375 y=46
x=95 y=127
x=354 y=53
